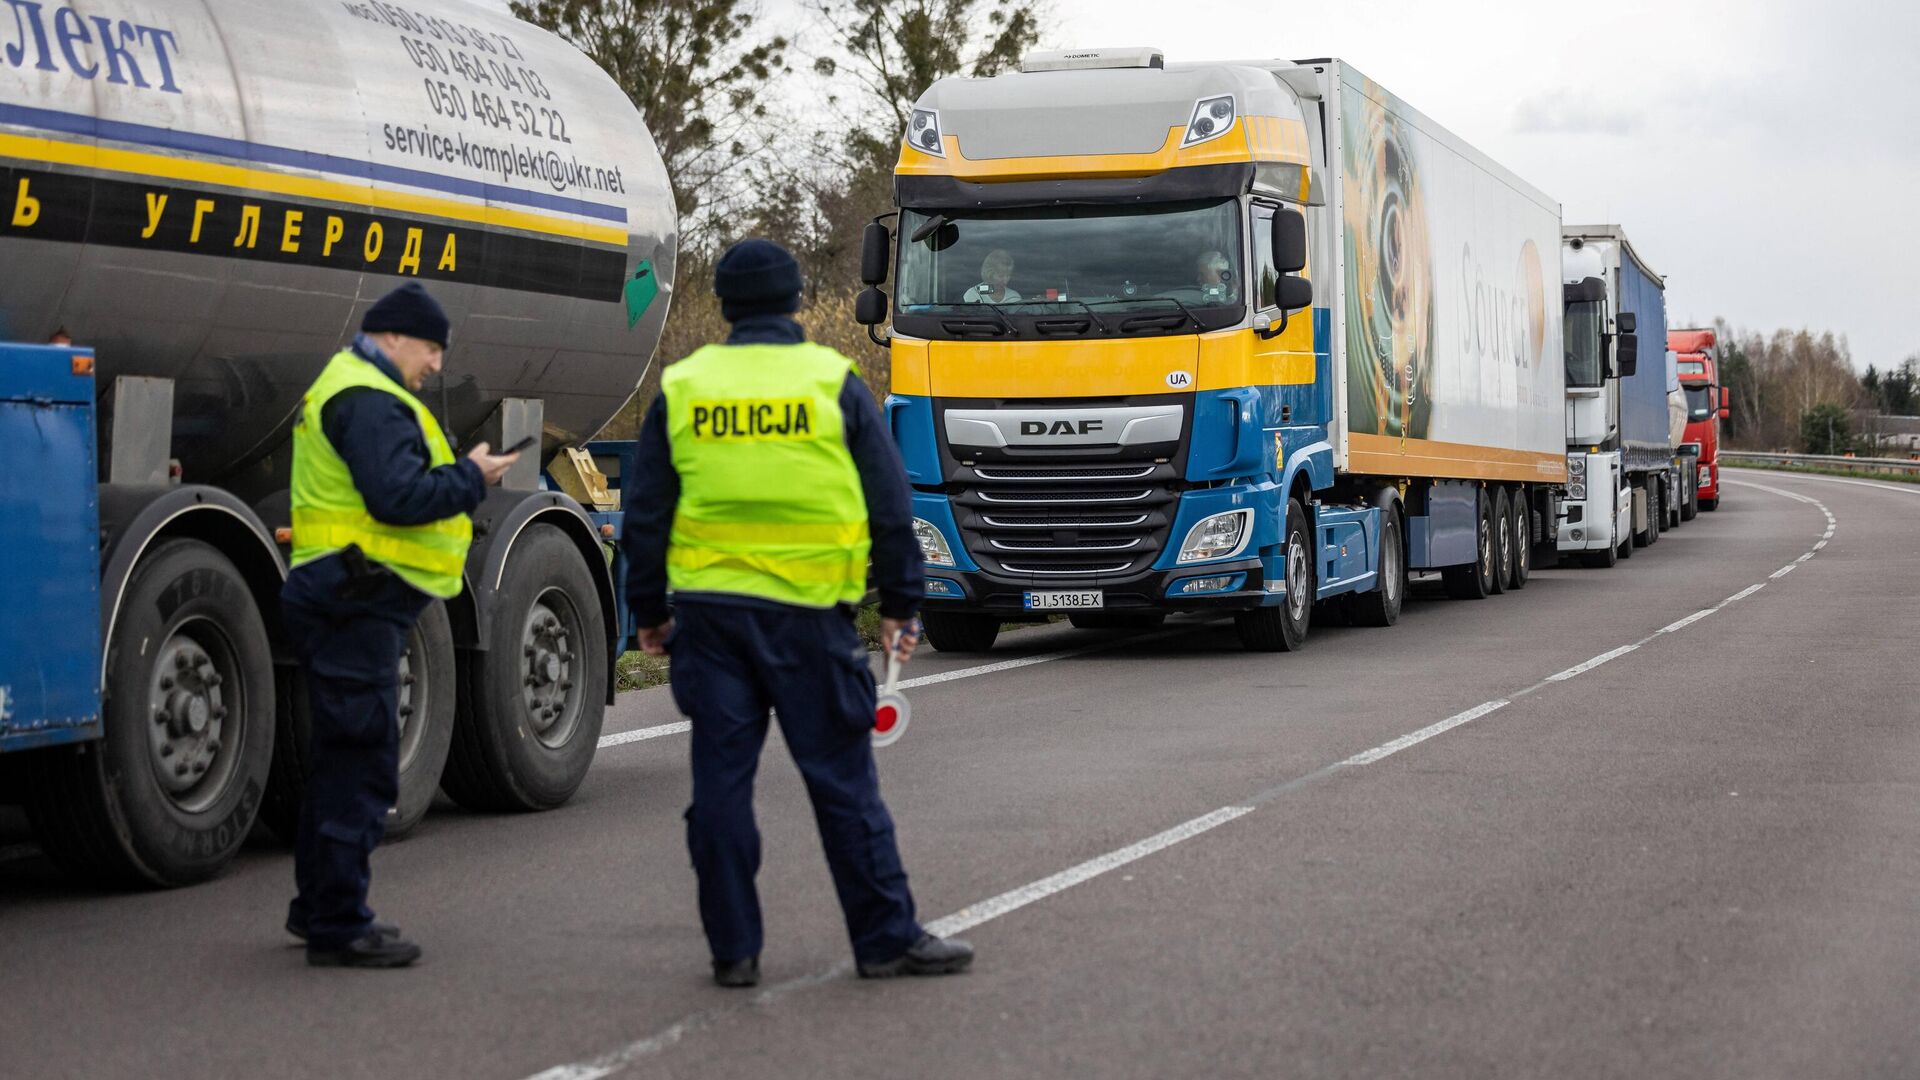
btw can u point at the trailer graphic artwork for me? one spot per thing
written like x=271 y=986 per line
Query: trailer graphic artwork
x=1390 y=302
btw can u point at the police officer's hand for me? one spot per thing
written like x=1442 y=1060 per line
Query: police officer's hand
x=904 y=634
x=653 y=639
x=492 y=466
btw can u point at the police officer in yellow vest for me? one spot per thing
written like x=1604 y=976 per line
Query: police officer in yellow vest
x=380 y=528
x=765 y=478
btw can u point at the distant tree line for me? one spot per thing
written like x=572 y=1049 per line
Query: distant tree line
x=1795 y=390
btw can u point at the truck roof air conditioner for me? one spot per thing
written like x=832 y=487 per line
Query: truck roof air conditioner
x=1090 y=59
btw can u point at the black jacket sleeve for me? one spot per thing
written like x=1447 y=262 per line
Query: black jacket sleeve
x=378 y=437
x=652 y=493
x=897 y=572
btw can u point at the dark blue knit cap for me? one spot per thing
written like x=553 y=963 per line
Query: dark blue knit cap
x=757 y=277
x=409 y=310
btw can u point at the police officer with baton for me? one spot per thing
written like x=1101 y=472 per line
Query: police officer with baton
x=766 y=476
x=380 y=528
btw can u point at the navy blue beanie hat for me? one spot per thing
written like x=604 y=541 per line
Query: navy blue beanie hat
x=757 y=277
x=409 y=310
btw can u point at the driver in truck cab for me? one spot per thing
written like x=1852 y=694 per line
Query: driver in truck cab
x=995 y=271
x=1216 y=276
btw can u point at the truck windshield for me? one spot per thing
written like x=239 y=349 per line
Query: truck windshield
x=1171 y=267
x=1699 y=402
x=1585 y=364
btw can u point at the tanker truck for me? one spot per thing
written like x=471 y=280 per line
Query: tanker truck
x=1239 y=337
x=198 y=202
x=1620 y=442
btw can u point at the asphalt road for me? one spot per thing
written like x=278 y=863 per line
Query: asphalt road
x=1452 y=848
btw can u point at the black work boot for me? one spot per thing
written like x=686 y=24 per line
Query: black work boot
x=928 y=956
x=370 y=950
x=737 y=974
x=299 y=930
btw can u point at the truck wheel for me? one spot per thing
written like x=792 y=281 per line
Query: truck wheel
x=954 y=631
x=1117 y=620
x=531 y=705
x=170 y=792
x=1603 y=559
x=427 y=681
x=1710 y=504
x=1675 y=502
x=1645 y=537
x=1502 y=541
x=1690 y=506
x=1381 y=607
x=1283 y=627
x=1474 y=581
x=1522 y=568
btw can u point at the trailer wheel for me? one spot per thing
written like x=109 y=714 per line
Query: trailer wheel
x=1474 y=581
x=1283 y=627
x=957 y=631
x=1522 y=567
x=1690 y=504
x=530 y=707
x=1648 y=536
x=427 y=682
x=1502 y=541
x=170 y=792
x=1381 y=607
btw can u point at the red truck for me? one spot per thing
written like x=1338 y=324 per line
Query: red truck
x=1706 y=406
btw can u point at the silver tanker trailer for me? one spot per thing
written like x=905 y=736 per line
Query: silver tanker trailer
x=207 y=194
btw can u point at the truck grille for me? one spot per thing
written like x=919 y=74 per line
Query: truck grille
x=1065 y=519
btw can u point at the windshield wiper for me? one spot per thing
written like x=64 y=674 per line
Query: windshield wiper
x=1090 y=312
x=1132 y=324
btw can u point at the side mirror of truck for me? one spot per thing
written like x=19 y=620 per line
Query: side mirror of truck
x=1289 y=242
x=1726 y=402
x=870 y=307
x=1627 y=322
x=1626 y=351
x=1294 y=293
x=875 y=247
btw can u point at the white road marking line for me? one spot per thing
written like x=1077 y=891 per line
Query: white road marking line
x=682 y=727
x=1904 y=490
x=1783 y=571
x=1387 y=749
x=621 y=738
x=975 y=914
x=1014 y=899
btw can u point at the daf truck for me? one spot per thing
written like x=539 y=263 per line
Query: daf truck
x=1707 y=404
x=1249 y=338
x=199 y=199
x=1620 y=443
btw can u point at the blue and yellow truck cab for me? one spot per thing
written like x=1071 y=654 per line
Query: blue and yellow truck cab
x=1165 y=338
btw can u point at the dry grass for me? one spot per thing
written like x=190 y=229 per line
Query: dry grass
x=695 y=320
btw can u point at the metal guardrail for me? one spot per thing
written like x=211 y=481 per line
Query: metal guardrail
x=1902 y=466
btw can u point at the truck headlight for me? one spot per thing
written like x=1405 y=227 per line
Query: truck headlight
x=1216 y=537
x=923 y=132
x=1576 y=465
x=1211 y=119
x=933 y=546
x=1577 y=490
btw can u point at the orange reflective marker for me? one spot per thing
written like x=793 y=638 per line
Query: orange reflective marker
x=891 y=710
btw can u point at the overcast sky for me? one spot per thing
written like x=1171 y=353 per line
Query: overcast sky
x=1763 y=155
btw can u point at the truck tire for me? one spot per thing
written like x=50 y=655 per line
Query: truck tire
x=1603 y=559
x=1645 y=537
x=1283 y=627
x=1117 y=620
x=531 y=704
x=1690 y=506
x=1474 y=581
x=428 y=677
x=1381 y=607
x=1522 y=568
x=1502 y=540
x=169 y=793
x=1710 y=504
x=960 y=632
x=1675 y=503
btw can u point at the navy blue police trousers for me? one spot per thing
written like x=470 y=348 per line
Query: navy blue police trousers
x=730 y=664
x=349 y=638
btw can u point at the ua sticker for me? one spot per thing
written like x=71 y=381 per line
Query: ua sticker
x=1179 y=380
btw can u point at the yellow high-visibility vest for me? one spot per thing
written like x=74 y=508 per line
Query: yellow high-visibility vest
x=328 y=512
x=770 y=500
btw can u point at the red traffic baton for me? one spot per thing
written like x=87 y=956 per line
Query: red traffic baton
x=890 y=711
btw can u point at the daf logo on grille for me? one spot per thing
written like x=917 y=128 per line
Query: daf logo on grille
x=1061 y=427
